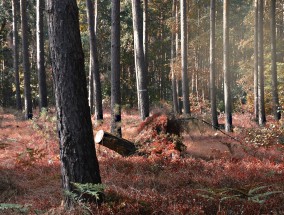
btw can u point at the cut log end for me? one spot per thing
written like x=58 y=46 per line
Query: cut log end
x=119 y=145
x=99 y=136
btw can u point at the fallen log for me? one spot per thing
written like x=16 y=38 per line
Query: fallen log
x=119 y=145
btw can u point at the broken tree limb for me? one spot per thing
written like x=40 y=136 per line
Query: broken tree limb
x=215 y=127
x=119 y=145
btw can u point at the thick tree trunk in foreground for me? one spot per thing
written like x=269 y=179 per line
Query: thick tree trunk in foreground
x=16 y=53
x=40 y=55
x=26 y=62
x=77 y=150
x=214 y=117
x=119 y=145
x=274 y=83
x=226 y=68
x=115 y=69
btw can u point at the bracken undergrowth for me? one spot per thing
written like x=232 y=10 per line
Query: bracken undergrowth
x=140 y=184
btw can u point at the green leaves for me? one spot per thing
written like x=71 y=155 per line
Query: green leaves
x=83 y=190
x=255 y=194
x=15 y=207
x=91 y=189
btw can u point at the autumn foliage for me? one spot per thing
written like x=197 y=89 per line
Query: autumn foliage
x=159 y=136
x=205 y=177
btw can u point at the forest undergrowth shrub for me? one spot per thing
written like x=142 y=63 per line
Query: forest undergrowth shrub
x=8 y=208
x=30 y=156
x=272 y=134
x=157 y=184
x=160 y=136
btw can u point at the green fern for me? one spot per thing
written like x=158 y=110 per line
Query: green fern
x=260 y=198
x=16 y=207
x=89 y=188
x=93 y=190
x=256 y=194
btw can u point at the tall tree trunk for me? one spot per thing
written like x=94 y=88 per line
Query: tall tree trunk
x=256 y=109
x=26 y=62
x=91 y=76
x=40 y=55
x=145 y=33
x=275 y=98
x=140 y=60
x=94 y=63
x=115 y=69
x=179 y=90
x=226 y=68
x=214 y=117
x=79 y=163
x=185 y=90
x=91 y=86
x=16 y=53
x=173 y=56
x=262 y=117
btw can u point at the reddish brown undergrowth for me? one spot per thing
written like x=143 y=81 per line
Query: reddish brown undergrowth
x=222 y=183
x=159 y=136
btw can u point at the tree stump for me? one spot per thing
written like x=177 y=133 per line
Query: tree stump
x=119 y=145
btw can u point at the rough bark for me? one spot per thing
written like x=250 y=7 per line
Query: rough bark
x=119 y=145
x=115 y=69
x=40 y=55
x=262 y=117
x=275 y=98
x=214 y=117
x=256 y=59
x=226 y=68
x=94 y=63
x=185 y=89
x=15 y=10
x=140 y=60
x=77 y=150
x=26 y=62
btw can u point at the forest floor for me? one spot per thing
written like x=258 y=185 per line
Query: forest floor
x=242 y=173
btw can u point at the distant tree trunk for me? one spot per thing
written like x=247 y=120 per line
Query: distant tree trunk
x=16 y=53
x=26 y=63
x=94 y=63
x=226 y=68
x=214 y=117
x=179 y=87
x=115 y=69
x=185 y=90
x=145 y=33
x=91 y=86
x=40 y=55
x=173 y=56
x=79 y=163
x=262 y=117
x=140 y=60
x=91 y=77
x=256 y=109
x=275 y=98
